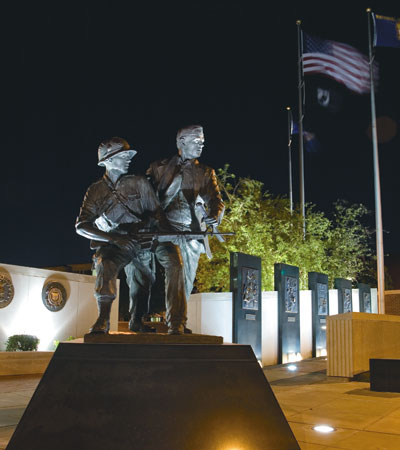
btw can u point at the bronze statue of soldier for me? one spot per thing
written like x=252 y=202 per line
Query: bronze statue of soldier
x=182 y=184
x=114 y=210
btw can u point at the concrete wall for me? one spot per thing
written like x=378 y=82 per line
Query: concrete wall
x=26 y=314
x=211 y=313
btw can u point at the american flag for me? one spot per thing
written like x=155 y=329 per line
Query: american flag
x=341 y=62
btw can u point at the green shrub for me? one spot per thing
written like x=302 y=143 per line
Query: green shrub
x=56 y=342
x=22 y=343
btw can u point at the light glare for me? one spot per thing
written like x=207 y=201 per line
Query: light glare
x=292 y=367
x=324 y=428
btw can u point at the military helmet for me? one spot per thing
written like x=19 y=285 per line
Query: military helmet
x=113 y=146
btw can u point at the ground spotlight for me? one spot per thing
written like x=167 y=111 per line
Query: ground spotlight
x=324 y=428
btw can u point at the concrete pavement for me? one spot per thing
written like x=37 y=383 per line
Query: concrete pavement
x=363 y=419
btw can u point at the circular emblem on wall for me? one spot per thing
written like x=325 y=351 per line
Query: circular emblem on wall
x=54 y=296
x=6 y=291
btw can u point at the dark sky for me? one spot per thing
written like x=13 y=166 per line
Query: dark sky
x=75 y=76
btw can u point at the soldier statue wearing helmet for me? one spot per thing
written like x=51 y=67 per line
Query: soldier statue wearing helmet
x=113 y=210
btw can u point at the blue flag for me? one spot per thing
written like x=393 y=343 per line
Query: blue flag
x=311 y=142
x=387 y=31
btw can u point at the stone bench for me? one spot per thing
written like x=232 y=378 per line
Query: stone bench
x=355 y=338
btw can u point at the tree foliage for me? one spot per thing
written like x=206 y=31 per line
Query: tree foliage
x=338 y=246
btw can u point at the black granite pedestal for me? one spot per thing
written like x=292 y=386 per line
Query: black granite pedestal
x=126 y=396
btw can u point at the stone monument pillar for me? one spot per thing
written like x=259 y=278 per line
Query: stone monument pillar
x=287 y=285
x=318 y=284
x=345 y=301
x=246 y=300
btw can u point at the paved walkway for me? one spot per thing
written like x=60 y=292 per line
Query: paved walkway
x=363 y=419
x=15 y=393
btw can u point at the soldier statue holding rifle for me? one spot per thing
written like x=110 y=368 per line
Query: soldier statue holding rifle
x=114 y=212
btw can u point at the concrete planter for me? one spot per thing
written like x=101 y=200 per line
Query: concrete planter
x=24 y=363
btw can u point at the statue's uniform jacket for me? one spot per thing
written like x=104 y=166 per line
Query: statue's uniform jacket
x=102 y=208
x=129 y=205
x=179 y=186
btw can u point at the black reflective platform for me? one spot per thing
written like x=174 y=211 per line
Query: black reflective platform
x=124 y=396
x=384 y=375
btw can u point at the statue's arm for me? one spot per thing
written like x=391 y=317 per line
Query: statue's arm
x=153 y=207
x=212 y=196
x=85 y=225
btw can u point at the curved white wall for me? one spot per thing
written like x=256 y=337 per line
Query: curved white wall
x=26 y=314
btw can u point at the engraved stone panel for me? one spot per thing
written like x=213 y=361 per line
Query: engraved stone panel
x=367 y=302
x=322 y=293
x=347 y=300
x=250 y=291
x=291 y=293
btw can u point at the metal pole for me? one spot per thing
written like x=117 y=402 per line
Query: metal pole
x=301 y=152
x=290 y=157
x=378 y=205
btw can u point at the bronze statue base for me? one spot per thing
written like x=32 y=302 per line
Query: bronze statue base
x=151 y=338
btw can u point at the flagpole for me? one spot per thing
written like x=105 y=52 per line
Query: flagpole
x=378 y=205
x=290 y=157
x=301 y=151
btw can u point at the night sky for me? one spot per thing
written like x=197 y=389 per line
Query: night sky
x=75 y=76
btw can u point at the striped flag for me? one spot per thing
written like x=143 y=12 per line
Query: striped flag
x=343 y=63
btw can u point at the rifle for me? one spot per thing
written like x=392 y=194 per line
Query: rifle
x=203 y=212
x=159 y=236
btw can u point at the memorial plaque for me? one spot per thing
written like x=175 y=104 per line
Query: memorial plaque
x=6 y=290
x=54 y=296
x=287 y=285
x=345 y=301
x=364 y=292
x=246 y=298
x=250 y=288
x=291 y=295
x=318 y=284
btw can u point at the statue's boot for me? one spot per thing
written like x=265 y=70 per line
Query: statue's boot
x=176 y=329
x=102 y=324
x=138 y=326
x=187 y=330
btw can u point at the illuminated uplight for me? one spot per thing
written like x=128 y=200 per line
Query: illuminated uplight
x=292 y=367
x=259 y=362
x=291 y=357
x=324 y=428
x=320 y=352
